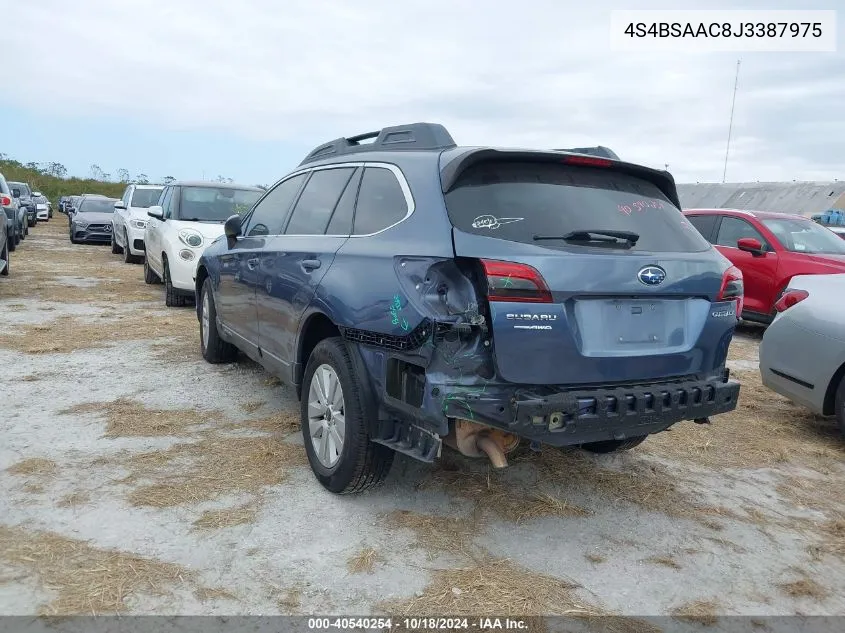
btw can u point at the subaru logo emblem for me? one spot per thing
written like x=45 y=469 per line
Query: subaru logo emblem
x=652 y=275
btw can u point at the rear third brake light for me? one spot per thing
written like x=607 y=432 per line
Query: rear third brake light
x=732 y=288
x=509 y=281
x=589 y=161
x=5 y=201
x=789 y=298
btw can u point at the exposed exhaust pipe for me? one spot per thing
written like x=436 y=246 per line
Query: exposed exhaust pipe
x=476 y=440
x=493 y=451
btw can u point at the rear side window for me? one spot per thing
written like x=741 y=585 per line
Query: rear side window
x=315 y=206
x=381 y=202
x=518 y=201
x=704 y=224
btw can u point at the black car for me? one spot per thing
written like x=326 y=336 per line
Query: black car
x=23 y=192
x=92 y=220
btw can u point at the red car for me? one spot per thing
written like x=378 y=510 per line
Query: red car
x=769 y=248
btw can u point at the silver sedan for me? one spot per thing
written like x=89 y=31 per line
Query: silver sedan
x=802 y=354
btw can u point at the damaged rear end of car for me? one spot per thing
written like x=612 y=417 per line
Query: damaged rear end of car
x=579 y=308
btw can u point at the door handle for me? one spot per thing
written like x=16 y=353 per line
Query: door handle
x=311 y=264
x=252 y=264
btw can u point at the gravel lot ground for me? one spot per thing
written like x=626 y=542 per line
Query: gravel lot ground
x=136 y=478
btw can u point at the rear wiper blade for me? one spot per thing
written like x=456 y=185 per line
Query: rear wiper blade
x=593 y=236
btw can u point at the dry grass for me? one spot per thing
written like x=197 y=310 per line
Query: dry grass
x=252 y=407
x=213 y=467
x=595 y=558
x=130 y=418
x=437 y=534
x=86 y=580
x=494 y=587
x=364 y=561
x=228 y=517
x=73 y=500
x=38 y=466
x=30 y=378
x=209 y=594
x=769 y=429
x=700 y=611
x=498 y=588
x=281 y=422
x=744 y=348
x=833 y=533
x=491 y=493
x=804 y=588
x=664 y=561
x=71 y=334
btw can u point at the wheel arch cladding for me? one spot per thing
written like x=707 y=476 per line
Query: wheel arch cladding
x=316 y=327
x=202 y=275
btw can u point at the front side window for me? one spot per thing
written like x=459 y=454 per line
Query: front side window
x=733 y=229
x=269 y=214
x=214 y=204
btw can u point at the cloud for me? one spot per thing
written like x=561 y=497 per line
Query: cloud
x=534 y=73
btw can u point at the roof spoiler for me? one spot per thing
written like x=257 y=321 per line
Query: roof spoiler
x=412 y=136
x=598 y=150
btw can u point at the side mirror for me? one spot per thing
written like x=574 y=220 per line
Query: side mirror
x=232 y=227
x=751 y=245
x=156 y=212
x=120 y=204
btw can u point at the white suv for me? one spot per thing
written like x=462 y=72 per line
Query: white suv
x=188 y=217
x=130 y=220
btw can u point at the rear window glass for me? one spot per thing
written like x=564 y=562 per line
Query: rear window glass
x=518 y=201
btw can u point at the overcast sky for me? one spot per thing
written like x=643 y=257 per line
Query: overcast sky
x=194 y=88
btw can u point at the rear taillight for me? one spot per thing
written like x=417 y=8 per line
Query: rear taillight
x=508 y=281
x=588 y=161
x=732 y=288
x=789 y=298
x=5 y=201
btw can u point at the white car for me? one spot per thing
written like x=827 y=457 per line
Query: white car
x=188 y=217
x=130 y=221
x=42 y=211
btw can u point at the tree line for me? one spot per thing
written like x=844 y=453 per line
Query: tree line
x=52 y=179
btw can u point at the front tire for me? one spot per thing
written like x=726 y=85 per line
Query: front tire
x=6 y=249
x=335 y=423
x=214 y=349
x=115 y=247
x=149 y=276
x=172 y=297
x=12 y=243
x=612 y=446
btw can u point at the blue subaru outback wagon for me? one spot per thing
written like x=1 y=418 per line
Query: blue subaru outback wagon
x=417 y=293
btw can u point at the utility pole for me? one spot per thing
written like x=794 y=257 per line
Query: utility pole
x=731 y=123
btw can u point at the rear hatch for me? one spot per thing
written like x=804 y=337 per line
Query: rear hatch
x=593 y=275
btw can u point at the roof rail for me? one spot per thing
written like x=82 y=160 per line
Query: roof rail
x=412 y=136
x=599 y=150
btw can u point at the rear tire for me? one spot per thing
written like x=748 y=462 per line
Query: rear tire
x=115 y=247
x=840 y=405
x=214 y=349
x=12 y=243
x=172 y=297
x=5 y=271
x=360 y=463
x=149 y=276
x=612 y=446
